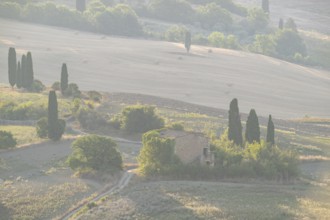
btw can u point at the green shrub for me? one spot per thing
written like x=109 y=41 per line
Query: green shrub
x=171 y=10
x=121 y=20
x=177 y=126
x=23 y=111
x=56 y=86
x=96 y=153
x=156 y=155
x=264 y=44
x=95 y=96
x=73 y=90
x=140 y=119
x=6 y=140
x=257 y=19
x=175 y=33
x=217 y=39
x=37 y=86
x=58 y=130
x=288 y=43
x=10 y=10
x=212 y=16
x=90 y=119
x=42 y=127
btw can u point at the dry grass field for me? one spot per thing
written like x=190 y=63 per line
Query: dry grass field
x=113 y=64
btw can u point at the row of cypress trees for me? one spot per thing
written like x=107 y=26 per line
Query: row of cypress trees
x=252 y=131
x=20 y=73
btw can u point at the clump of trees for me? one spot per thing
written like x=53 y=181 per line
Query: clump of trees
x=95 y=153
x=51 y=127
x=138 y=119
x=7 y=140
x=157 y=154
x=21 y=73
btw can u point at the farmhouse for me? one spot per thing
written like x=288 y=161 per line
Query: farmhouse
x=190 y=147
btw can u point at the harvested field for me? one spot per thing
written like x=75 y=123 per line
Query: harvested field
x=164 y=69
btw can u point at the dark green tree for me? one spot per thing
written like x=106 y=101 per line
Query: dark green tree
x=12 y=66
x=291 y=24
x=187 y=41
x=96 y=153
x=19 y=76
x=270 y=131
x=29 y=70
x=56 y=127
x=64 y=78
x=23 y=71
x=280 y=24
x=252 y=131
x=81 y=5
x=234 y=125
x=265 y=6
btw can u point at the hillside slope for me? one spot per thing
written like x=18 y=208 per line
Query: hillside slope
x=112 y=64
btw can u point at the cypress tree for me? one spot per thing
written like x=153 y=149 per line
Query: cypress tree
x=252 y=132
x=19 y=76
x=12 y=66
x=52 y=115
x=29 y=70
x=265 y=6
x=56 y=126
x=270 y=131
x=187 y=41
x=64 y=78
x=234 y=125
x=23 y=71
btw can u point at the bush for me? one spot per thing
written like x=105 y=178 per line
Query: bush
x=121 y=20
x=264 y=44
x=288 y=43
x=95 y=96
x=213 y=16
x=58 y=130
x=171 y=10
x=56 y=86
x=10 y=10
x=42 y=127
x=37 y=86
x=257 y=20
x=90 y=119
x=175 y=33
x=140 y=119
x=73 y=90
x=96 y=153
x=22 y=111
x=216 y=39
x=7 y=140
x=156 y=155
x=256 y=160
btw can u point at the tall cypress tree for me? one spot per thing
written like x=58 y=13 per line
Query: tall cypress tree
x=29 y=70
x=19 y=76
x=23 y=71
x=12 y=66
x=252 y=132
x=234 y=125
x=52 y=115
x=64 y=78
x=187 y=41
x=270 y=131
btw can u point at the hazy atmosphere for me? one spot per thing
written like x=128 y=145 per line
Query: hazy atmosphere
x=164 y=109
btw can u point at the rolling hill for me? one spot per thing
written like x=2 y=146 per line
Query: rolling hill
x=210 y=77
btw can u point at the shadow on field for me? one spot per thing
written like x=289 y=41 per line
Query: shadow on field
x=210 y=200
x=187 y=54
x=4 y=212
